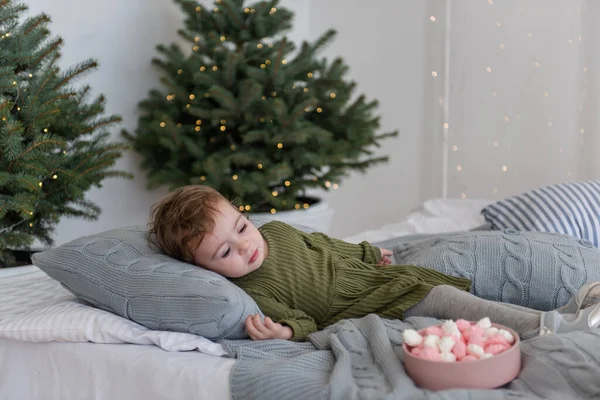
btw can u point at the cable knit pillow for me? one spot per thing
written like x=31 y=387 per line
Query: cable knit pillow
x=533 y=269
x=570 y=208
x=121 y=272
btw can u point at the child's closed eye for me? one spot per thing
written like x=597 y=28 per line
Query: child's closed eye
x=226 y=252
x=243 y=228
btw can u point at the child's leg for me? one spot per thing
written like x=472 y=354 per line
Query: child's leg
x=448 y=302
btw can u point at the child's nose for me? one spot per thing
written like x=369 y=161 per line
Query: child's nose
x=244 y=246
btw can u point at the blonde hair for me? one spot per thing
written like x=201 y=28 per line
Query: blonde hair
x=182 y=218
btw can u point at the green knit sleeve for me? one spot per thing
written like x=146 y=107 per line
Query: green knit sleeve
x=364 y=250
x=302 y=325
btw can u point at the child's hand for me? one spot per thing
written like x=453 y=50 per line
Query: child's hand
x=259 y=330
x=385 y=257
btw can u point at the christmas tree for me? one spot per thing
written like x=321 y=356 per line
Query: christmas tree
x=54 y=142
x=244 y=111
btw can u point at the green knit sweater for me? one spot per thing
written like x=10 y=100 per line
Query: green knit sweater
x=309 y=281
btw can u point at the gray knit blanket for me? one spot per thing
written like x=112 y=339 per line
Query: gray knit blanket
x=532 y=269
x=362 y=359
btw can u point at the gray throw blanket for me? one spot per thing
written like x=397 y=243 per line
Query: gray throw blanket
x=361 y=359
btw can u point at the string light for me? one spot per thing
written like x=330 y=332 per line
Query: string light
x=223 y=38
x=434 y=74
x=273 y=211
x=247 y=207
x=40 y=184
x=202 y=68
x=305 y=90
x=319 y=110
x=332 y=95
x=305 y=205
x=241 y=208
x=504 y=168
x=198 y=9
x=489 y=69
x=195 y=48
x=272 y=11
x=54 y=176
x=215 y=68
x=198 y=122
x=46 y=130
x=432 y=18
x=223 y=128
x=279 y=145
x=223 y=121
x=259 y=46
x=310 y=75
x=284 y=61
x=203 y=178
x=232 y=147
x=463 y=196
x=274 y=193
x=459 y=168
x=327 y=184
x=246 y=10
x=335 y=186
x=235 y=177
x=169 y=97
x=297 y=206
x=192 y=96
x=180 y=71
x=198 y=129
x=188 y=106
x=263 y=66
x=268 y=62
x=259 y=166
x=287 y=183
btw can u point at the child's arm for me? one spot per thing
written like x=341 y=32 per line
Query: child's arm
x=300 y=323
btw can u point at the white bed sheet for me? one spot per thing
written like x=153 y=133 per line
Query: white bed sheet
x=75 y=371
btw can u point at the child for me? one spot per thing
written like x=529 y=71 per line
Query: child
x=303 y=282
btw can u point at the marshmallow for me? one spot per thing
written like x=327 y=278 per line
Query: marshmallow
x=507 y=335
x=491 y=331
x=412 y=338
x=469 y=358
x=475 y=350
x=496 y=348
x=431 y=341
x=463 y=325
x=460 y=349
x=431 y=353
x=448 y=357
x=446 y=344
x=486 y=356
x=434 y=330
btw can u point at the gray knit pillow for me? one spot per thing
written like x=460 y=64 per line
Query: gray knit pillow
x=121 y=272
x=532 y=269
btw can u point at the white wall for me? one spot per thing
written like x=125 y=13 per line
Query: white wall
x=384 y=42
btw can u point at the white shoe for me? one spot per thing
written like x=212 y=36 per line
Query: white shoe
x=586 y=296
x=552 y=322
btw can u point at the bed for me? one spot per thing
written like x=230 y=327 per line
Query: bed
x=54 y=346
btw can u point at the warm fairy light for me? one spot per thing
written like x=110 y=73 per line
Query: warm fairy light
x=446 y=125
x=198 y=122
x=434 y=74
x=198 y=129
x=40 y=184
x=246 y=10
x=223 y=38
x=279 y=145
x=54 y=176
x=489 y=69
x=319 y=110
x=197 y=39
x=192 y=96
x=335 y=186
x=223 y=128
x=268 y=62
x=504 y=168
x=169 y=97
x=195 y=48
x=180 y=71
x=188 y=106
x=284 y=62
x=274 y=193
x=46 y=130
x=305 y=205
x=215 y=68
x=463 y=196
x=241 y=208
x=327 y=184
x=272 y=11
x=259 y=46
x=202 y=68
x=432 y=18
x=310 y=74
x=297 y=206
x=287 y=183
x=263 y=66
x=202 y=178
x=235 y=177
x=273 y=211
x=162 y=124
x=274 y=94
x=459 y=168
x=247 y=207
x=223 y=121
x=305 y=90
x=332 y=95
x=198 y=9
x=232 y=147
x=259 y=166
x=262 y=119
x=506 y=118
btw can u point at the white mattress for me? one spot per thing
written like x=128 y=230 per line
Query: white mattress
x=75 y=371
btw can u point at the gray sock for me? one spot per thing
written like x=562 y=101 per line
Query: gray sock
x=448 y=302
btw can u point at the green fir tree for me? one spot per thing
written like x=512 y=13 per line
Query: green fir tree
x=244 y=111
x=53 y=141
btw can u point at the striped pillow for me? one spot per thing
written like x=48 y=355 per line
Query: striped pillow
x=569 y=208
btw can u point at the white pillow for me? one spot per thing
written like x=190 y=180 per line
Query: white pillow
x=35 y=308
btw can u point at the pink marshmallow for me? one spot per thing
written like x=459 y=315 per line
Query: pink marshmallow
x=496 y=339
x=431 y=353
x=475 y=337
x=463 y=324
x=497 y=348
x=434 y=330
x=416 y=351
x=459 y=349
x=469 y=358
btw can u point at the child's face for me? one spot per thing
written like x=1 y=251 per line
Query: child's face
x=235 y=247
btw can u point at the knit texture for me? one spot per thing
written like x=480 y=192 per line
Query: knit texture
x=532 y=269
x=360 y=359
x=121 y=272
x=309 y=281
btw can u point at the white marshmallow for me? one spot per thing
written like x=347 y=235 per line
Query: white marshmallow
x=486 y=355
x=491 y=331
x=475 y=350
x=448 y=357
x=450 y=327
x=484 y=323
x=507 y=335
x=431 y=341
x=412 y=338
x=446 y=344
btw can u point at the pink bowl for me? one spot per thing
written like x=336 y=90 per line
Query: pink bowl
x=490 y=373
